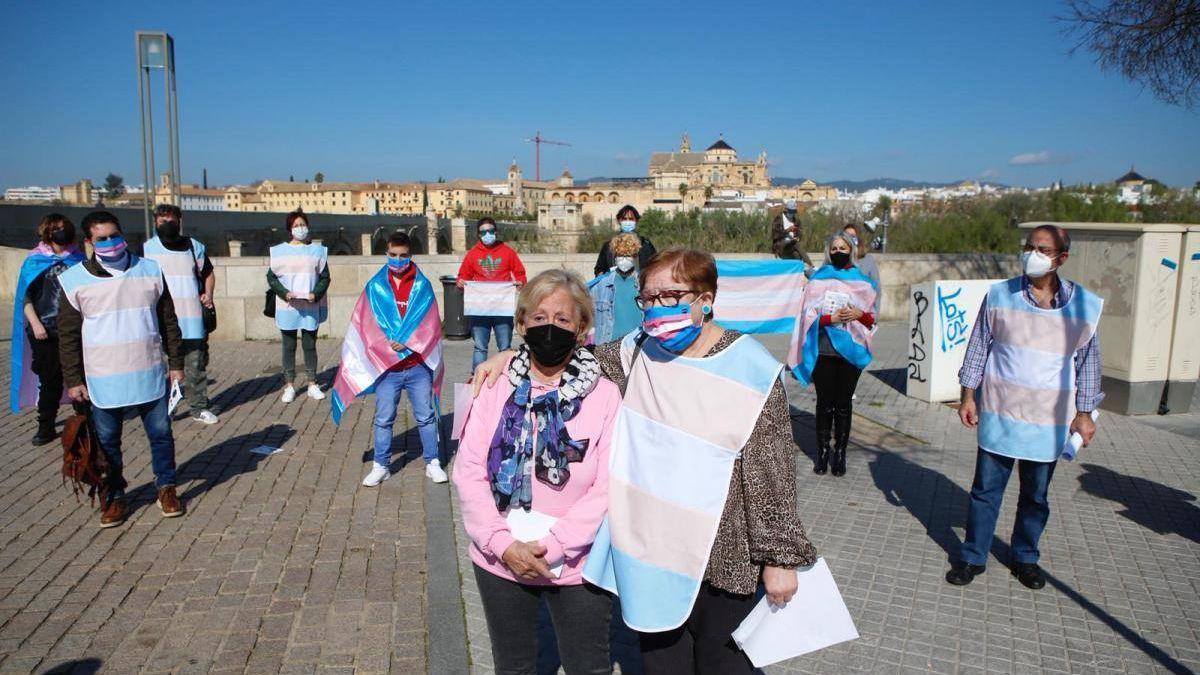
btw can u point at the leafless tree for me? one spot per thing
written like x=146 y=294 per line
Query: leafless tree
x=1153 y=42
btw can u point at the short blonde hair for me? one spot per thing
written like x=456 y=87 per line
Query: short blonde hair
x=546 y=284
x=626 y=246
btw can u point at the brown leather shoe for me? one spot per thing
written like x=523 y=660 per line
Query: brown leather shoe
x=169 y=502
x=115 y=513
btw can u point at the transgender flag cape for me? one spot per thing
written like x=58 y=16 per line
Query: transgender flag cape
x=376 y=321
x=23 y=389
x=852 y=340
x=759 y=296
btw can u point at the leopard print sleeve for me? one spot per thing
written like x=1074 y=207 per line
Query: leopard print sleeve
x=776 y=535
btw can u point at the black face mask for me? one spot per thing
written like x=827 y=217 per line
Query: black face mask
x=60 y=237
x=549 y=344
x=839 y=259
x=168 y=231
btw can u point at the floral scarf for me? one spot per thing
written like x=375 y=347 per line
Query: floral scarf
x=516 y=443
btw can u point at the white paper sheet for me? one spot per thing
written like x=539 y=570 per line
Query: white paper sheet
x=832 y=301
x=1075 y=442
x=175 y=398
x=532 y=526
x=462 y=406
x=815 y=618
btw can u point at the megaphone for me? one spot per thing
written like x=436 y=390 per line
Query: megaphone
x=871 y=225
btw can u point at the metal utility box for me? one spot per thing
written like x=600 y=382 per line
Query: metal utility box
x=1135 y=268
x=1184 y=368
x=941 y=315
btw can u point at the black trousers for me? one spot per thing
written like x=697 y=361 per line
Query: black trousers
x=703 y=644
x=45 y=363
x=835 y=379
x=580 y=615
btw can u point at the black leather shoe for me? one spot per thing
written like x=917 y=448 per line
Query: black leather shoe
x=1029 y=574
x=44 y=436
x=962 y=573
x=837 y=462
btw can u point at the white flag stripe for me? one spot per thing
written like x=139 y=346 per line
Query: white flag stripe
x=490 y=298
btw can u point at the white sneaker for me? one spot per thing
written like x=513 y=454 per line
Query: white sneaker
x=205 y=416
x=379 y=473
x=289 y=394
x=435 y=472
x=315 y=393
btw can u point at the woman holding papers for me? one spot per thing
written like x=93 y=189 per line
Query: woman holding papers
x=299 y=277
x=832 y=344
x=532 y=479
x=490 y=261
x=702 y=491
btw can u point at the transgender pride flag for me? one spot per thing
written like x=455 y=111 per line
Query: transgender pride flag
x=759 y=296
x=376 y=321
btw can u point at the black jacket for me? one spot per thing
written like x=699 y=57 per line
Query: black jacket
x=43 y=294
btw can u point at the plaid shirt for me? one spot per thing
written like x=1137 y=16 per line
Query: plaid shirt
x=1087 y=359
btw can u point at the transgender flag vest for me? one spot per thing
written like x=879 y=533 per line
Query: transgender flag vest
x=1027 y=398
x=181 y=269
x=683 y=422
x=122 y=347
x=298 y=268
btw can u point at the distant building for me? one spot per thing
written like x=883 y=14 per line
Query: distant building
x=190 y=198
x=32 y=193
x=81 y=193
x=1133 y=188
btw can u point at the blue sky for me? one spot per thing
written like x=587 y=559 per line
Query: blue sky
x=407 y=91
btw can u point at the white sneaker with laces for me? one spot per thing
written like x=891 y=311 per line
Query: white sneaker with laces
x=435 y=472
x=205 y=416
x=379 y=473
x=289 y=394
x=315 y=393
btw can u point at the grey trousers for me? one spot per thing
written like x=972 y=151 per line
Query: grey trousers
x=580 y=615
x=195 y=374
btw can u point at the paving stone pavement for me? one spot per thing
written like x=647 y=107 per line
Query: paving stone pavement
x=1121 y=548
x=286 y=564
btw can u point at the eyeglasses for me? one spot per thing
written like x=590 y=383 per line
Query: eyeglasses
x=487 y=231
x=668 y=298
x=1044 y=250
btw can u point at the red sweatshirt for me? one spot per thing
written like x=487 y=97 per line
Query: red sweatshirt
x=402 y=284
x=495 y=263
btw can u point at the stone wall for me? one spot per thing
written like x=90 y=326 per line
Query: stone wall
x=242 y=283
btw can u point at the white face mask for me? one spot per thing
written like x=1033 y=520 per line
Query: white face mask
x=625 y=264
x=300 y=233
x=628 y=225
x=1036 y=264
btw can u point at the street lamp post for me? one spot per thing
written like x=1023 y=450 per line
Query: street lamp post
x=156 y=51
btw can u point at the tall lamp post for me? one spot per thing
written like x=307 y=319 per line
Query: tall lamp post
x=156 y=51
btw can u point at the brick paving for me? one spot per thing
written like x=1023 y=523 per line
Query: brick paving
x=285 y=564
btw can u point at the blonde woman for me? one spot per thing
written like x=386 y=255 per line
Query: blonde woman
x=615 y=292
x=534 y=458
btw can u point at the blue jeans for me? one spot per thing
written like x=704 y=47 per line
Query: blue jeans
x=418 y=382
x=109 y=422
x=481 y=329
x=1033 y=507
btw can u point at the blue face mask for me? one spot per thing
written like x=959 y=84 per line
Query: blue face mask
x=488 y=238
x=628 y=225
x=671 y=326
x=398 y=264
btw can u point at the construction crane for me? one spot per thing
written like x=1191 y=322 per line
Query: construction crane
x=537 y=141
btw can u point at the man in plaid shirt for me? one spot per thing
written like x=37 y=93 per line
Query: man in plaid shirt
x=1046 y=249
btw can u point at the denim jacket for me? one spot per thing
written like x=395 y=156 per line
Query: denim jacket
x=603 y=292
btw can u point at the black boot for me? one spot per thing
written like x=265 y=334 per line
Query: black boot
x=841 y=438
x=824 y=430
x=45 y=433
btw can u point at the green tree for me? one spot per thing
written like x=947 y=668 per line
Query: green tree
x=114 y=185
x=319 y=178
x=683 y=190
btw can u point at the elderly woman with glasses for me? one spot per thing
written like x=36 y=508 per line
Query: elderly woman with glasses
x=702 y=493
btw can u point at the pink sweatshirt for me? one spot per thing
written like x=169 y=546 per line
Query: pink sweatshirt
x=579 y=506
